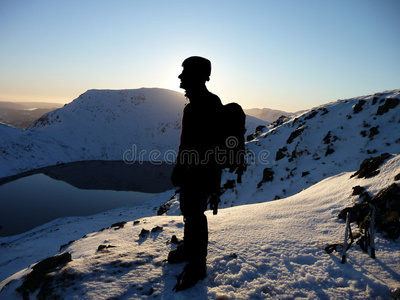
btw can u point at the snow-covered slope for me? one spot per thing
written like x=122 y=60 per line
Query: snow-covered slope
x=23 y=150
x=271 y=250
x=141 y=124
x=307 y=148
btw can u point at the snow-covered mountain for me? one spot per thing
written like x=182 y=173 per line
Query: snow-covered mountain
x=301 y=150
x=267 y=114
x=259 y=248
x=141 y=124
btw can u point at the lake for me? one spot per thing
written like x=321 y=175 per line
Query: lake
x=76 y=189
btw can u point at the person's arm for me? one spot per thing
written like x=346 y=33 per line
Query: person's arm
x=179 y=168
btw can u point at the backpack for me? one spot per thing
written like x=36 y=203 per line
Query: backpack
x=233 y=128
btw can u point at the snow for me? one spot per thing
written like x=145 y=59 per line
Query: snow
x=268 y=239
x=267 y=250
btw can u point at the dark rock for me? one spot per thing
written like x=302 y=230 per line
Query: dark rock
x=366 y=125
x=327 y=138
x=293 y=156
x=389 y=104
x=268 y=175
x=280 y=153
x=167 y=205
x=65 y=245
x=144 y=233
x=164 y=208
x=295 y=134
x=369 y=166
x=365 y=197
x=357 y=213
x=363 y=133
x=282 y=119
x=387 y=202
x=305 y=174
x=357 y=190
x=359 y=106
x=387 y=196
x=118 y=225
x=324 y=111
x=102 y=247
x=329 y=151
x=258 y=132
x=150 y=292
x=34 y=279
x=387 y=205
x=157 y=229
x=250 y=137
x=233 y=255
x=311 y=115
x=175 y=240
x=397 y=177
x=373 y=131
x=136 y=222
x=229 y=184
x=374 y=100
x=259 y=128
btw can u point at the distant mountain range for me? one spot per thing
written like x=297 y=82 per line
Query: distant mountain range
x=141 y=124
x=23 y=114
x=267 y=114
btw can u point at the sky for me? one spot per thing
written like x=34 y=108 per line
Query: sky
x=279 y=54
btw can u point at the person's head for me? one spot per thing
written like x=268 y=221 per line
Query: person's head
x=196 y=71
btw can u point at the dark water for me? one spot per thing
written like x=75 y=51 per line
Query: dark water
x=76 y=189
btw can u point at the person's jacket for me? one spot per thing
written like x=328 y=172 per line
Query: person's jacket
x=199 y=141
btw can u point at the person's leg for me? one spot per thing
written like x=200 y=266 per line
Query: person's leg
x=193 y=206
x=196 y=237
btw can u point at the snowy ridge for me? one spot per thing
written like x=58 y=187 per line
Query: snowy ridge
x=141 y=124
x=307 y=148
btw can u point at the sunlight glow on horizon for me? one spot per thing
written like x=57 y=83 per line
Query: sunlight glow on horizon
x=286 y=55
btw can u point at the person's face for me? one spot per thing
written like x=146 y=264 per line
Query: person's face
x=189 y=79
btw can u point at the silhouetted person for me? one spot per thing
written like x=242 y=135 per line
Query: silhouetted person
x=196 y=171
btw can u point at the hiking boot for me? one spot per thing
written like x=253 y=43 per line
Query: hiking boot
x=178 y=255
x=192 y=273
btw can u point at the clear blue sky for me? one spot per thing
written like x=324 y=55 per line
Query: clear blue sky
x=282 y=54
